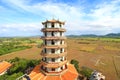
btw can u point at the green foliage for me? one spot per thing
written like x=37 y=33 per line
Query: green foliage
x=19 y=67
x=11 y=77
x=11 y=47
x=86 y=71
x=76 y=64
x=8 y=45
x=73 y=61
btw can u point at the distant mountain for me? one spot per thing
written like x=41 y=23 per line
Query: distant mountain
x=93 y=35
x=89 y=35
x=113 y=35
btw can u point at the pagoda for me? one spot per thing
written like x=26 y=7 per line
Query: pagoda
x=54 y=64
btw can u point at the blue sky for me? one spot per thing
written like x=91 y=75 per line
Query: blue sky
x=24 y=17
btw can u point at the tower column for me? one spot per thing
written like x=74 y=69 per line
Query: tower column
x=54 y=64
x=53 y=53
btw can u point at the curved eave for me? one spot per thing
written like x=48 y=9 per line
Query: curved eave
x=53 y=21
x=53 y=38
x=69 y=74
x=54 y=65
x=53 y=29
x=52 y=55
x=55 y=46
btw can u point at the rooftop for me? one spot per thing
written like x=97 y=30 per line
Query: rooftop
x=4 y=66
x=70 y=74
x=53 y=21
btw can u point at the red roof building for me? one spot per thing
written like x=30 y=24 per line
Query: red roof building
x=4 y=66
x=54 y=64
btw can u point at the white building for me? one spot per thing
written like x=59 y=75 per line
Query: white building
x=97 y=76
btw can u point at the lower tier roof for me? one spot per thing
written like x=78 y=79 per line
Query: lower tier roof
x=70 y=74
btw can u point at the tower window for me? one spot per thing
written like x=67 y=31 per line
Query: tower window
x=61 y=42
x=45 y=34
x=61 y=59
x=65 y=66
x=60 y=33
x=45 y=25
x=52 y=50
x=53 y=69
x=61 y=50
x=52 y=42
x=53 y=59
x=52 y=24
x=45 y=50
x=62 y=68
x=60 y=25
x=52 y=33
x=45 y=42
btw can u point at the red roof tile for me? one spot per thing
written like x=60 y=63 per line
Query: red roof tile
x=4 y=66
x=70 y=74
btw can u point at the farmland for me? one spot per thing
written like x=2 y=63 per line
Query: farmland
x=102 y=54
x=8 y=45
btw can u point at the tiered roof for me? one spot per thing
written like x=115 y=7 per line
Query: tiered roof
x=70 y=74
x=53 y=21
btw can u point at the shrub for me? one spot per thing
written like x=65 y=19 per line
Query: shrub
x=86 y=71
x=76 y=64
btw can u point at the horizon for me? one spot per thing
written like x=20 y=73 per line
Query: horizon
x=82 y=17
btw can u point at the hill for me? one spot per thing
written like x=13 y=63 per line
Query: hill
x=113 y=35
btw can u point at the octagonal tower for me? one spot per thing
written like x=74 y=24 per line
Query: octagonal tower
x=54 y=65
x=54 y=59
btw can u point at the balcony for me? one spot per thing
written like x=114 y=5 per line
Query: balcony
x=53 y=55
x=54 y=65
x=54 y=46
x=53 y=73
x=54 y=38
x=53 y=29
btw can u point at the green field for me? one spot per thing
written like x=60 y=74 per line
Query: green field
x=97 y=53
x=8 y=45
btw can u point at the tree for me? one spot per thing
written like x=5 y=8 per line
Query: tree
x=76 y=64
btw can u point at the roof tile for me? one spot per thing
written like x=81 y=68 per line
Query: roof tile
x=70 y=74
x=4 y=66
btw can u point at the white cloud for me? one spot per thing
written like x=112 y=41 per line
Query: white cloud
x=105 y=17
